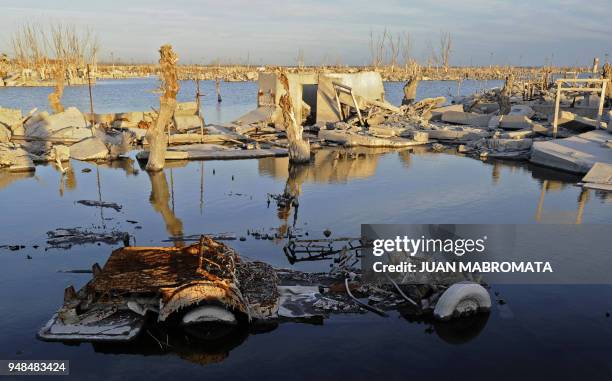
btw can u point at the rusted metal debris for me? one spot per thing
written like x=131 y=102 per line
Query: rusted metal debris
x=344 y=250
x=207 y=283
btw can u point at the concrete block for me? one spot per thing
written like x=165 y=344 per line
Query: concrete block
x=89 y=149
x=186 y=122
x=436 y=113
x=576 y=154
x=70 y=124
x=514 y=122
x=466 y=118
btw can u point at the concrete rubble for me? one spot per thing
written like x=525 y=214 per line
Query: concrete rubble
x=599 y=177
x=575 y=154
x=336 y=109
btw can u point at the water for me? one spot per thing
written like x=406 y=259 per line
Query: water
x=557 y=332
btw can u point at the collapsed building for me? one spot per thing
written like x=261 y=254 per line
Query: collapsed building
x=560 y=124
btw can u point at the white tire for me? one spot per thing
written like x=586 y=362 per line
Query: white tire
x=209 y=314
x=462 y=299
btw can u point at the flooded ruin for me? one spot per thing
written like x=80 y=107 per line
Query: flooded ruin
x=341 y=189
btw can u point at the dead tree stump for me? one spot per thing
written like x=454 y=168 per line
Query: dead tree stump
x=299 y=149
x=410 y=89
x=167 y=104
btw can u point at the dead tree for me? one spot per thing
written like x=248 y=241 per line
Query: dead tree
x=445 y=49
x=377 y=48
x=167 y=104
x=394 y=50
x=299 y=149
x=504 y=96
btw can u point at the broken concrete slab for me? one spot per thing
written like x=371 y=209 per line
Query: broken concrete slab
x=599 y=177
x=215 y=152
x=571 y=120
x=521 y=110
x=575 y=154
x=89 y=149
x=186 y=109
x=436 y=113
x=519 y=134
x=466 y=118
x=23 y=164
x=485 y=107
x=505 y=145
x=261 y=116
x=510 y=122
x=187 y=122
x=170 y=154
x=15 y=157
x=70 y=124
x=352 y=139
x=456 y=133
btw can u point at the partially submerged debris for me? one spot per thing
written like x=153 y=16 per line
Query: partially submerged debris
x=65 y=238
x=207 y=284
x=101 y=204
x=575 y=154
x=599 y=177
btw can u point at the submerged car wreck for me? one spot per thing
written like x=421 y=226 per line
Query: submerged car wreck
x=207 y=287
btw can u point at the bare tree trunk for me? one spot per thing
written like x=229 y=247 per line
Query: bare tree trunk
x=410 y=90
x=167 y=104
x=299 y=149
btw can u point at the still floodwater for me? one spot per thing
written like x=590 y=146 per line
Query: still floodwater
x=557 y=332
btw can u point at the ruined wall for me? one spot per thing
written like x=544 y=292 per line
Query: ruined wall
x=366 y=84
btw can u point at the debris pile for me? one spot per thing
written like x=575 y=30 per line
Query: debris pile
x=208 y=285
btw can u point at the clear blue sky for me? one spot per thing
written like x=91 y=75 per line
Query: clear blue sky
x=271 y=32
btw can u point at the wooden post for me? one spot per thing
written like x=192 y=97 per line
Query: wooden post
x=557 y=104
x=602 y=98
x=218 y=89
x=91 y=107
x=198 y=102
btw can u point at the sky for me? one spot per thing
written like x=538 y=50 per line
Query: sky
x=484 y=32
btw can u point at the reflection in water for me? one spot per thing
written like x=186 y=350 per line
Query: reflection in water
x=290 y=197
x=67 y=180
x=455 y=331
x=125 y=164
x=7 y=177
x=190 y=346
x=329 y=166
x=159 y=199
x=551 y=186
x=461 y=331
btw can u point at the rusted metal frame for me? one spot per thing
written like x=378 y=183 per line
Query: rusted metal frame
x=348 y=90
